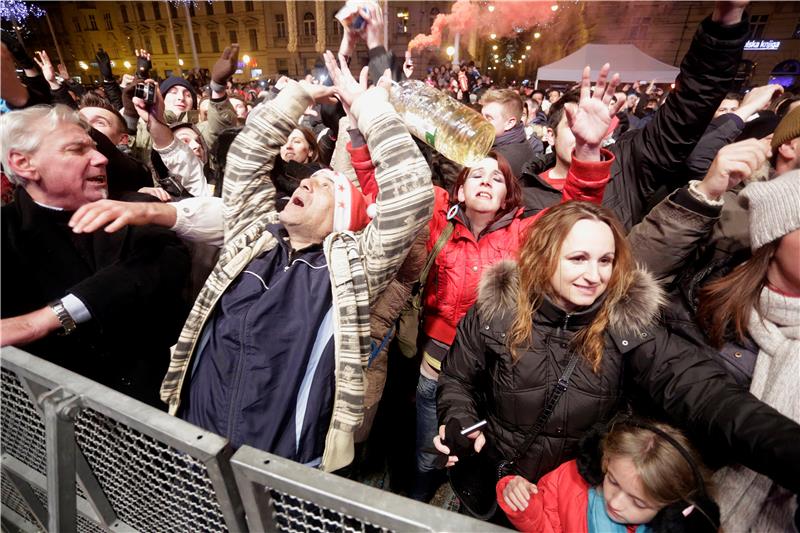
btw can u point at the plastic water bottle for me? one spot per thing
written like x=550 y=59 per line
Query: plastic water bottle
x=454 y=130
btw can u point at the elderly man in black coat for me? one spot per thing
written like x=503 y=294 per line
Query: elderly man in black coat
x=105 y=305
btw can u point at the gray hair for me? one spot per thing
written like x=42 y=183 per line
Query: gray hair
x=24 y=130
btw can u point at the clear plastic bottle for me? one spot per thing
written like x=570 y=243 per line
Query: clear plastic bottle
x=451 y=128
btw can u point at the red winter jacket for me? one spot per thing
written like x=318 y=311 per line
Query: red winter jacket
x=452 y=284
x=560 y=505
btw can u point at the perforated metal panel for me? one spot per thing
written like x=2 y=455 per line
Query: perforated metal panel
x=151 y=486
x=293 y=514
x=23 y=428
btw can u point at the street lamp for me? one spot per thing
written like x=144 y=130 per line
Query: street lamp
x=491 y=8
x=83 y=65
x=537 y=35
x=522 y=56
x=528 y=47
x=493 y=36
x=180 y=62
x=554 y=7
x=245 y=59
x=450 y=51
x=494 y=47
x=127 y=65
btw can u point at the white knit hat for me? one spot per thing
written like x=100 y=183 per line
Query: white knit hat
x=774 y=208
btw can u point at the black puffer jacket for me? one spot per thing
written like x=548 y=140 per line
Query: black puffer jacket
x=479 y=380
x=655 y=155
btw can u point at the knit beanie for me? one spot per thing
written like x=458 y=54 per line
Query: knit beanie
x=788 y=128
x=172 y=81
x=351 y=211
x=774 y=208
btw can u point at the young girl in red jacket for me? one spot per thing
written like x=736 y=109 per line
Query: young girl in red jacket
x=639 y=477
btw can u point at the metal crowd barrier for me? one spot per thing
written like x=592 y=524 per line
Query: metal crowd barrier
x=78 y=456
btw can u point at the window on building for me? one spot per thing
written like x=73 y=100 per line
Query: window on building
x=197 y=43
x=77 y=24
x=140 y=11
x=248 y=5
x=796 y=34
x=638 y=29
x=124 y=12
x=402 y=20
x=228 y=6
x=280 y=25
x=148 y=44
x=309 y=24
x=173 y=10
x=253 y=39
x=92 y=23
x=282 y=66
x=107 y=19
x=191 y=9
x=179 y=43
x=232 y=36
x=163 y=40
x=214 y=41
x=757 y=25
x=156 y=10
x=336 y=27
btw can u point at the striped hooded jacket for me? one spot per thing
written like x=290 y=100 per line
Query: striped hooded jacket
x=361 y=264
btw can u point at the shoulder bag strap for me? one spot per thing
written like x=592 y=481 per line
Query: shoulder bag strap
x=555 y=396
x=437 y=247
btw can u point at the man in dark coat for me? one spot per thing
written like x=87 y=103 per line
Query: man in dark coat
x=654 y=155
x=105 y=305
x=503 y=109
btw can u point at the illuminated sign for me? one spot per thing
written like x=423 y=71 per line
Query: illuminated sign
x=762 y=45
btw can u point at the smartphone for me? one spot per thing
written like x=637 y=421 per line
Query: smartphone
x=474 y=427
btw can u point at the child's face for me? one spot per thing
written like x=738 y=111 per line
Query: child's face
x=626 y=502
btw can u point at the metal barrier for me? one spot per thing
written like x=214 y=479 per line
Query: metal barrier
x=279 y=496
x=78 y=456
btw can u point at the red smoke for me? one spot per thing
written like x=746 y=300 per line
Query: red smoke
x=508 y=18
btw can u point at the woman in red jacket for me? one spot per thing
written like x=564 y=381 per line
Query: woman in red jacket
x=639 y=477
x=485 y=212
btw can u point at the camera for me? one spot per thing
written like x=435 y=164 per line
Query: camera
x=146 y=92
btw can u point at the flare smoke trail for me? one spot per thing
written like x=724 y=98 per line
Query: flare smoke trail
x=508 y=17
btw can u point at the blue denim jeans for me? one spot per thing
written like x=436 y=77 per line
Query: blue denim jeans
x=427 y=422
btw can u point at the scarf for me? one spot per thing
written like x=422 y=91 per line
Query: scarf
x=598 y=520
x=515 y=135
x=748 y=500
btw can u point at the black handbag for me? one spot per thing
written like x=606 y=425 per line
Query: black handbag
x=474 y=477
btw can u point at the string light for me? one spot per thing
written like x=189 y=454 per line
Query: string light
x=528 y=47
x=493 y=36
x=18 y=12
x=537 y=35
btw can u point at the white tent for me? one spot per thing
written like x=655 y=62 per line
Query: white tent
x=631 y=63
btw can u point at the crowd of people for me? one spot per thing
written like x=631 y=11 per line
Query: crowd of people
x=602 y=314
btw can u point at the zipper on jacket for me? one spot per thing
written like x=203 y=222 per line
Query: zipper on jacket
x=566 y=321
x=237 y=378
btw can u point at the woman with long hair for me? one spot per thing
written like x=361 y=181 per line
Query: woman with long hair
x=483 y=216
x=752 y=317
x=577 y=292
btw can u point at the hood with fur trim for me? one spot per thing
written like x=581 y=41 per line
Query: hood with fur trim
x=638 y=311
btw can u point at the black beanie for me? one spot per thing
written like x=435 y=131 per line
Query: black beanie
x=172 y=81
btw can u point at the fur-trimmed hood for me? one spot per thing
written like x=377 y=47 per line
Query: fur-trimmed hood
x=499 y=286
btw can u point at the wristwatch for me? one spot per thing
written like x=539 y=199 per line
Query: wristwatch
x=67 y=323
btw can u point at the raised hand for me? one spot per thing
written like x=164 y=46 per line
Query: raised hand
x=63 y=72
x=757 y=99
x=143 y=64
x=590 y=119
x=48 y=71
x=734 y=163
x=374 y=31
x=156 y=111
x=347 y=88
x=225 y=66
x=104 y=65
x=517 y=493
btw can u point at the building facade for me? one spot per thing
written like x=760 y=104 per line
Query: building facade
x=278 y=37
x=288 y=37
